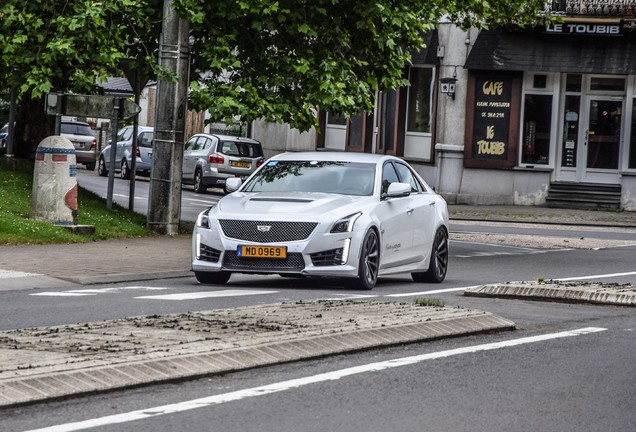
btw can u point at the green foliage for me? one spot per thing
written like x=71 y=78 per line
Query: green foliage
x=273 y=59
x=73 y=44
x=282 y=59
x=17 y=228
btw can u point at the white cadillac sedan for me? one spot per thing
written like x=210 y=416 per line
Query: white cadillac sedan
x=353 y=216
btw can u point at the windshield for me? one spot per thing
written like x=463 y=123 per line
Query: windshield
x=348 y=178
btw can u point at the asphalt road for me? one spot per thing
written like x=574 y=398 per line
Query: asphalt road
x=546 y=375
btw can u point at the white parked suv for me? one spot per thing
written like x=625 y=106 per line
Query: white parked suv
x=85 y=143
x=210 y=159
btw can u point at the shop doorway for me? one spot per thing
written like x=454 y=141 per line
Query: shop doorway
x=592 y=132
x=602 y=130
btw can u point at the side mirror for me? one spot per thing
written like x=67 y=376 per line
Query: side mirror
x=233 y=184
x=397 y=190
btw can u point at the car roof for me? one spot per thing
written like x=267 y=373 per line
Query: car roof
x=334 y=156
x=228 y=137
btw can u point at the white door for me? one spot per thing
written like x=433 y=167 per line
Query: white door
x=602 y=127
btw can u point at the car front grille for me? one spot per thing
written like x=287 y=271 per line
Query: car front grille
x=294 y=261
x=267 y=231
x=327 y=258
x=209 y=254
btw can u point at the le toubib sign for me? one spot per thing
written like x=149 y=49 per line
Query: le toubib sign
x=491 y=126
x=585 y=29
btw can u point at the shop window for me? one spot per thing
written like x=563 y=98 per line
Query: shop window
x=419 y=103
x=336 y=119
x=607 y=84
x=537 y=115
x=540 y=81
x=573 y=83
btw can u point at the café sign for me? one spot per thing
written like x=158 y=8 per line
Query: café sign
x=584 y=29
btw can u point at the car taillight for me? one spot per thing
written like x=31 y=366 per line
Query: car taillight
x=94 y=143
x=215 y=158
x=138 y=152
x=259 y=163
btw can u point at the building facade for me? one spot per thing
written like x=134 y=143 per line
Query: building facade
x=540 y=116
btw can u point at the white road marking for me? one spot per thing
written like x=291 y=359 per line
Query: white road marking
x=61 y=294
x=597 y=276
x=93 y=291
x=300 y=382
x=439 y=291
x=206 y=294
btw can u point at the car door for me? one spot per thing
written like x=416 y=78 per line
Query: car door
x=395 y=224
x=188 y=161
x=422 y=217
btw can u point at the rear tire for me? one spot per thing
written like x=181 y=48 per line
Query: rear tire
x=101 y=167
x=198 y=182
x=369 y=263
x=438 y=265
x=90 y=166
x=125 y=171
x=213 y=278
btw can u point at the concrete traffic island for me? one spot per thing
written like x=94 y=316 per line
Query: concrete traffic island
x=552 y=290
x=52 y=362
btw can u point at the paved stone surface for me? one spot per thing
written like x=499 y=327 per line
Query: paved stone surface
x=51 y=362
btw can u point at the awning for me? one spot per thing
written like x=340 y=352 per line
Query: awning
x=533 y=50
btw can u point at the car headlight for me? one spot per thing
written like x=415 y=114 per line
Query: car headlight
x=345 y=224
x=202 y=220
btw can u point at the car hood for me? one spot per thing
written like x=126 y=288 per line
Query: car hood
x=288 y=205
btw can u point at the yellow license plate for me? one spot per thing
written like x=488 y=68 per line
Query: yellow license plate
x=277 y=252
x=239 y=164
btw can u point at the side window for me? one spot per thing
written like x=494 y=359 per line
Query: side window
x=145 y=140
x=388 y=176
x=406 y=176
x=190 y=144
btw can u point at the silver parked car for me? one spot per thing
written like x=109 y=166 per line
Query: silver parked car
x=353 y=216
x=85 y=143
x=211 y=159
x=123 y=156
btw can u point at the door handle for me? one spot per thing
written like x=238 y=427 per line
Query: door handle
x=409 y=211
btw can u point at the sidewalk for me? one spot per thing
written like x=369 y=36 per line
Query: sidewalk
x=41 y=363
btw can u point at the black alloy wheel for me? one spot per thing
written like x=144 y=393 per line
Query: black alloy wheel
x=438 y=264
x=369 y=264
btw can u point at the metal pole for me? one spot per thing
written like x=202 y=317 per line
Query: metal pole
x=12 y=109
x=113 y=151
x=133 y=158
x=164 y=201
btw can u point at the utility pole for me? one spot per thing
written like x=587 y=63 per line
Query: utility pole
x=164 y=202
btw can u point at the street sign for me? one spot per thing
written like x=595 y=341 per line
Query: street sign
x=90 y=106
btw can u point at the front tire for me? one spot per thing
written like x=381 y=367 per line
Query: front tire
x=213 y=278
x=438 y=264
x=125 y=171
x=101 y=167
x=369 y=263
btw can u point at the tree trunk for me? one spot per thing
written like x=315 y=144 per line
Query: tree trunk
x=32 y=126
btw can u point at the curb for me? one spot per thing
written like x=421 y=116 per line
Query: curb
x=558 y=292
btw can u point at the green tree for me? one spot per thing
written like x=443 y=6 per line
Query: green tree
x=272 y=59
x=69 y=45
x=280 y=59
